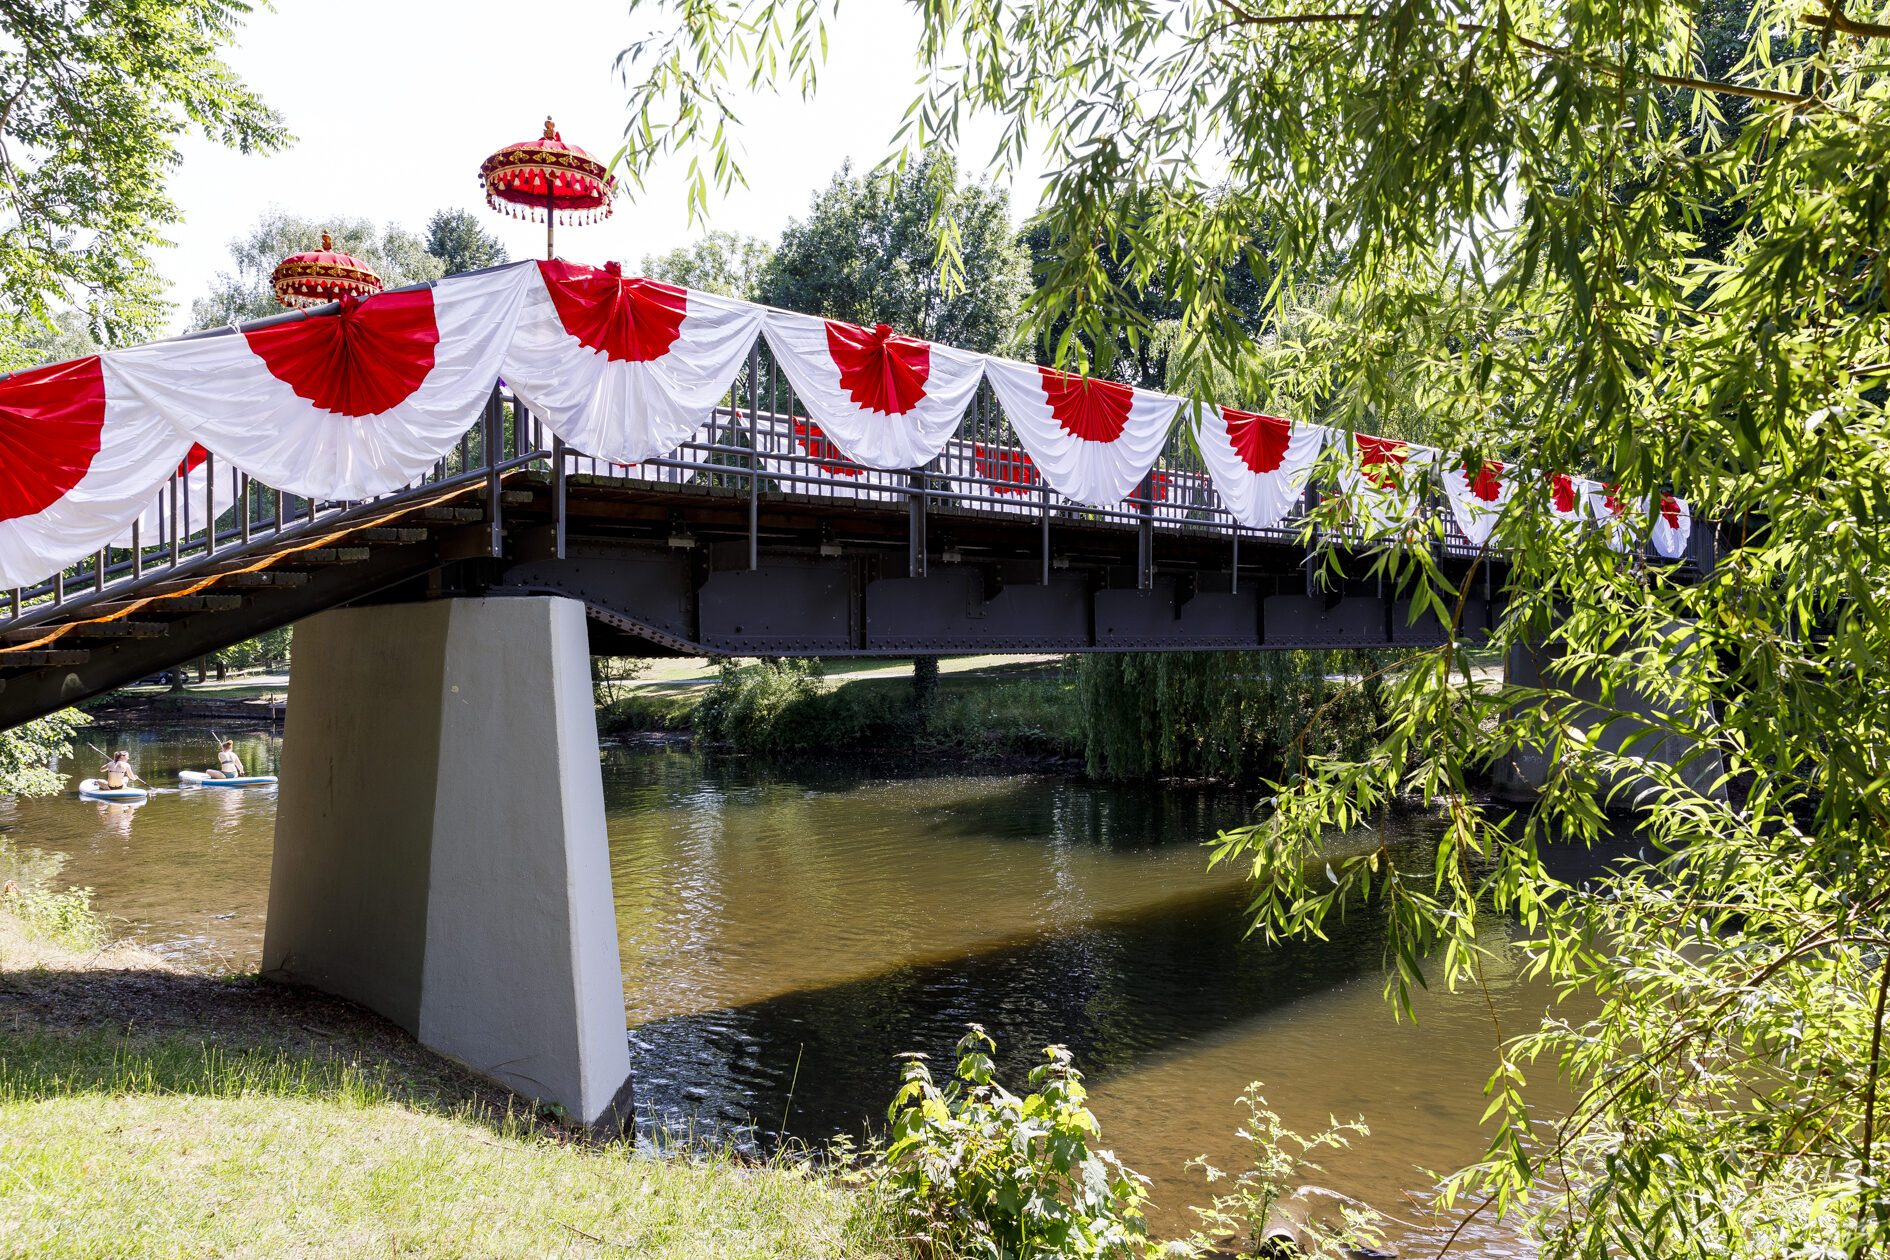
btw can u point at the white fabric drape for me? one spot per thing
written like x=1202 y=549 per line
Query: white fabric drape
x=626 y=370
x=1673 y=527
x=886 y=401
x=1617 y=516
x=1383 y=482
x=204 y=490
x=1259 y=464
x=1091 y=440
x=1478 y=501
x=80 y=457
x=345 y=405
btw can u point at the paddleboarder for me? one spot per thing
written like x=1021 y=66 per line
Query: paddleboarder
x=118 y=772
x=229 y=765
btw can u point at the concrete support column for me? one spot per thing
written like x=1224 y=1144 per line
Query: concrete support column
x=440 y=848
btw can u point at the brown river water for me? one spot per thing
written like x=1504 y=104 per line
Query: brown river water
x=787 y=933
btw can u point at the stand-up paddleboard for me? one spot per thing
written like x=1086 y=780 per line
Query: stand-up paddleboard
x=95 y=790
x=198 y=778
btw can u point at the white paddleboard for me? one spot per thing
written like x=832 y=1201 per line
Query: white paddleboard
x=95 y=790
x=198 y=778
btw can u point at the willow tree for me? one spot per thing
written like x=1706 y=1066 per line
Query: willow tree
x=1519 y=191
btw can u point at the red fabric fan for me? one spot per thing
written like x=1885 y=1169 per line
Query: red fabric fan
x=1562 y=491
x=1008 y=466
x=1487 y=484
x=1260 y=441
x=50 y=421
x=631 y=321
x=880 y=370
x=366 y=358
x=1085 y=407
x=825 y=454
x=1380 y=459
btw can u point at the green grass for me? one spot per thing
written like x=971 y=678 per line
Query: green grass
x=124 y=1146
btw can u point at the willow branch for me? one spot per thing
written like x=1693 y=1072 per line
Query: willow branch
x=1245 y=18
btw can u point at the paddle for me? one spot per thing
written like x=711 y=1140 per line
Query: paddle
x=134 y=774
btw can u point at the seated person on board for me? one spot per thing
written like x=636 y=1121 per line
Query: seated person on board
x=229 y=765
x=117 y=771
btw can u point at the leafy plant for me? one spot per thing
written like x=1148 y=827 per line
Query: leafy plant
x=975 y=1170
x=63 y=918
x=29 y=752
x=1251 y=1209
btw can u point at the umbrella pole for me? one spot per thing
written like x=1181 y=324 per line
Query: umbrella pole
x=551 y=209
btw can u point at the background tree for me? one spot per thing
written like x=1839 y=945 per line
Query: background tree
x=29 y=751
x=396 y=254
x=868 y=253
x=1522 y=193
x=95 y=98
x=456 y=239
x=726 y=263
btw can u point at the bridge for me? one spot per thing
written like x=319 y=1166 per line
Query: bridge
x=440 y=849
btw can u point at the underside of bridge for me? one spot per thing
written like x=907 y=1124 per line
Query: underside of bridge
x=711 y=570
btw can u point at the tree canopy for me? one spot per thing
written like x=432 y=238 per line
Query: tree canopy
x=727 y=263
x=1522 y=195
x=867 y=252
x=94 y=98
x=456 y=239
x=396 y=254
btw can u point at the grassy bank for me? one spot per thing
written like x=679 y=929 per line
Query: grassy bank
x=148 y=1111
x=792 y=708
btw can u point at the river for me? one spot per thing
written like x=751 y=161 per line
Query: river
x=787 y=933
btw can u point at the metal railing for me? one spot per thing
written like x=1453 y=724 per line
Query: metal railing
x=761 y=442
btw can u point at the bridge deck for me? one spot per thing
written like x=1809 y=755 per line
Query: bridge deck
x=751 y=540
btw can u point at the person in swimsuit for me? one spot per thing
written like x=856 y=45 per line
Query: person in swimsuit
x=117 y=771
x=229 y=765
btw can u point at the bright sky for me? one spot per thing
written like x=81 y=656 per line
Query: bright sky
x=394 y=103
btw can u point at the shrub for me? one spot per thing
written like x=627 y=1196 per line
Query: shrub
x=974 y=1170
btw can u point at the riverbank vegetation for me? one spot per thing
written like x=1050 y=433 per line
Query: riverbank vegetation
x=790 y=708
x=1235 y=717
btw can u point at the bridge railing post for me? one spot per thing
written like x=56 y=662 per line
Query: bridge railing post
x=489 y=449
x=754 y=454
x=1145 y=535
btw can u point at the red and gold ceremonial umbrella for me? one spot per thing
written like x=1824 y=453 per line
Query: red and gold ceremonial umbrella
x=322 y=275
x=548 y=177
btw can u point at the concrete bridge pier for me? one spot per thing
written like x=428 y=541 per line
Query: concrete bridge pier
x=440 y=851
x=1633 y=724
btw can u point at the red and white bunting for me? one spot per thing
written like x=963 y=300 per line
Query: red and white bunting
x=1384 y=482
x=1673 y=527
x=1615 y=513
x=1259 y=464
x=193 y=499
x=1477 y=502
x=356 y=402
x=622 y=368
x=1568 y=497
x=885 y=400
x=80 y=457
x=1092 y=440
x=807 y=452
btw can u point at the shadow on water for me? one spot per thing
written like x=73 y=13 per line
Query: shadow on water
x=1115 y=991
